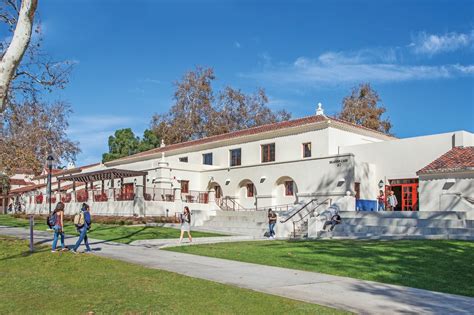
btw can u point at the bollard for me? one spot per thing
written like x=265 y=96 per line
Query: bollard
x=32 y=222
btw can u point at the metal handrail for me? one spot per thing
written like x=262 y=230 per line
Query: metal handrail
x=277 y=207
x=309 y=212
x=298 y=211
x=234 y=204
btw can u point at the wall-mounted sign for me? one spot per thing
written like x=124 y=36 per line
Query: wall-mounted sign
x=338 y=162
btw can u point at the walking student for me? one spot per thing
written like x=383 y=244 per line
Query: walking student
x=381 y=200
x=83 y=223
x=392 y=201
x=272 y=220
x=186 y=224
x=56 y=220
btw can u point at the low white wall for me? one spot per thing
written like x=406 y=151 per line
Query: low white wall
x=137 y=207
x=446 y=192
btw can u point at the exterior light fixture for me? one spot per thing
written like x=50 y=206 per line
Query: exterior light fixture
x=381 y=183
x=262 y=179
x=227 y=181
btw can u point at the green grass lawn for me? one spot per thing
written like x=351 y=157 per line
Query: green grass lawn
x=437 y=265
x=116 y=233
x=64 y=283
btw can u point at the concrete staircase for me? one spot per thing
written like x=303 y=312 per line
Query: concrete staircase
x=250 y=223
x=403 y=225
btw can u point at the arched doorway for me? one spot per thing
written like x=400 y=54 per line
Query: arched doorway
x=216 y=190
x=285 y=191
x=246 y=194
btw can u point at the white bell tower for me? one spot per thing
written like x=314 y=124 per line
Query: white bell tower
x=320 y=110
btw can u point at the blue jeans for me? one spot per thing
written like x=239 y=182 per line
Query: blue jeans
x=82 y=236
x=271 y=226
x=381 y=206
x=57 y=234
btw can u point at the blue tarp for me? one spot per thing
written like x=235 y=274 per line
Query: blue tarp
x=366 y=205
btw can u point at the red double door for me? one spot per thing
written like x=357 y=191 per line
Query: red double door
x=406 y=193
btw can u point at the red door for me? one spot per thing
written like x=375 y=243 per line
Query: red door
x=128 y=191
x=406 y=193
x=409 y=197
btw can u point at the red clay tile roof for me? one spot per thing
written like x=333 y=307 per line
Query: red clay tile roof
x=455 y=160
x=27 y=188
x=22 y=182
x=24 y=171
x=66 y=171
x=247 y=132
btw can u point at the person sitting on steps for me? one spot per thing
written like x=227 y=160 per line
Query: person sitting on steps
x=335 y=220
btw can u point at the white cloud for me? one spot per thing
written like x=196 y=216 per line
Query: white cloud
x=93 y=133
x=431 y=44
x=82 y=124
x=351 y=67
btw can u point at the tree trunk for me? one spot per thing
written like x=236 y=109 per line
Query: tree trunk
x=15 y=51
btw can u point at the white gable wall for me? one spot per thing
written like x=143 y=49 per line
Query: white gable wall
x=402 y=158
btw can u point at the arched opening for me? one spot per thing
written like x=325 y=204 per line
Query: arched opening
x=285 y=191
x=216 y=192
x=246 y=194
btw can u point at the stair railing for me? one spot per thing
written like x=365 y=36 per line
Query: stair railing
x=228 y=203
x=308 y=213
x=298 y=211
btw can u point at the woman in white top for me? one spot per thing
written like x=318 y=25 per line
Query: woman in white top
x=186 y=224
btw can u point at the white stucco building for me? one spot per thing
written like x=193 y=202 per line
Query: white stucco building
x=276 y=165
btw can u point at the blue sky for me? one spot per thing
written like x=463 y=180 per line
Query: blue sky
x=418 y=55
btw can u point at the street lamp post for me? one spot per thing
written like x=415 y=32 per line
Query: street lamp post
x=50 y=160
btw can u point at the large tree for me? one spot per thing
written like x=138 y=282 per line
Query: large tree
x=362 y=108
x=237 y=110
x=197 y=113
x=192 y=113
x=124 y=143
x=149 y=141
x=25 y=72
x=31 y=131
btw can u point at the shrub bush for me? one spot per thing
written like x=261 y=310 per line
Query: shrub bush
x=114 y=220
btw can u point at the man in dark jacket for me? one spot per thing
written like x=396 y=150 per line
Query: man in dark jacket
x=83 y=229
x=335 y=220
x=272 y=219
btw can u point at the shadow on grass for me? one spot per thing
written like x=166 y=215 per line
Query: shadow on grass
x=114 y=239
x=24 y=254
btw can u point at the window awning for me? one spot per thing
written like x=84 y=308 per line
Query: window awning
x=107 y=174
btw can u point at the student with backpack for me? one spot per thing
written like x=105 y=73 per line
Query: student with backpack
x=56 y=222
x=83 y=222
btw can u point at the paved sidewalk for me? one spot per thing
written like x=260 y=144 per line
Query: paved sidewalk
x=171 y=242
x=364 y=297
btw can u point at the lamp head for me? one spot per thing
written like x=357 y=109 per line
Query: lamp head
x=50 y=160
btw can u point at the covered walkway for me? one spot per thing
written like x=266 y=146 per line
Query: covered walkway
x=124 y=192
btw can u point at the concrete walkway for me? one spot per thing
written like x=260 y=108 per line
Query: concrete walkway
x=364 y=297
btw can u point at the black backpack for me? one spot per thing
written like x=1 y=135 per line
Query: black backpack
x=51 y=220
